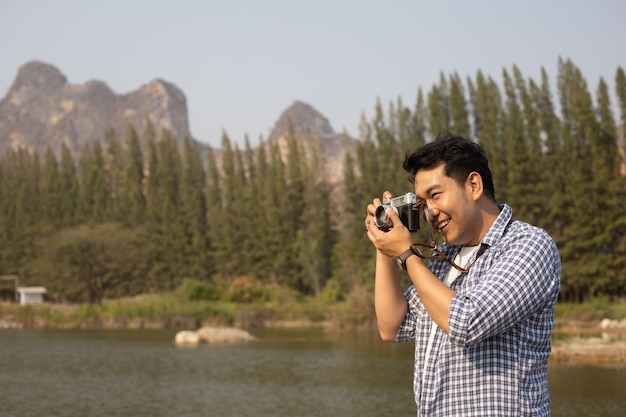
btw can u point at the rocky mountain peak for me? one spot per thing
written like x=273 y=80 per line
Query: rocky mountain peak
x=306 y=120
x=303 y=118
x=39 y=75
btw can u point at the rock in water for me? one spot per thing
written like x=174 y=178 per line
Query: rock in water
x=213 y=335
x=187 y=337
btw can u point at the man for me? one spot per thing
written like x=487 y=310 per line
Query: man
x=482 y=312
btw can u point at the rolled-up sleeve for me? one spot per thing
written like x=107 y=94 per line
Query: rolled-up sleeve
x=406 y=332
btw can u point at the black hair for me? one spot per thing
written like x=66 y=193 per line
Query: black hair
x=460 y=156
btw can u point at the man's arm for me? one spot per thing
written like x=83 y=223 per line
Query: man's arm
x=389 y=301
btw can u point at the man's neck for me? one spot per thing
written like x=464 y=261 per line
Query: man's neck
x=489 y=212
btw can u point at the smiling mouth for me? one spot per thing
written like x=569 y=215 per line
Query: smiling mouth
x=442 y=224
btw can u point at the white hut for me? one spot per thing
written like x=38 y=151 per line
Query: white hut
x=31 y=295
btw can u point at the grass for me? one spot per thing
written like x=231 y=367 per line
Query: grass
x=176 y=309
x=594 y=309
x=160 y=306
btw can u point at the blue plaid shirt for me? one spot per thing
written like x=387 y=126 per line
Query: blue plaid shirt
x=494 y=360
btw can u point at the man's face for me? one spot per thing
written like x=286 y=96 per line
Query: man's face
x=451 y=207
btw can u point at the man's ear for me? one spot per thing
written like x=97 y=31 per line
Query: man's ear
x=474 y=184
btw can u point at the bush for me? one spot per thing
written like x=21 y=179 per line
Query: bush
x=357 y=312
x=199 y=291
x=247 y=290
x=332 y=293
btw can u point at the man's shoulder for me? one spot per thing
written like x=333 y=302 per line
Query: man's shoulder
x=521 y=228
x=510 y=227
x=528 y=238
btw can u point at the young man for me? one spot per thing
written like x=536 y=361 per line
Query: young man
x=482 y=312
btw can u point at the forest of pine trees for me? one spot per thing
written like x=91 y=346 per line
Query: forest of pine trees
x=142 y=212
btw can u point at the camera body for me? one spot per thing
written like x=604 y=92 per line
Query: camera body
x=406 y=208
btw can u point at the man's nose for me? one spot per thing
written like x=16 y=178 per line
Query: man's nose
x=433 y=211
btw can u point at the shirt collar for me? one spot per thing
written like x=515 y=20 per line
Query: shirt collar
x=496 y=231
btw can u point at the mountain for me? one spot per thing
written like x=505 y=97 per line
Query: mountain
x=42 y=109
x=309 y=124
x=304 y=119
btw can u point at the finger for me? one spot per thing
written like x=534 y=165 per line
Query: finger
x=387 y=195
x=393 y=216
x=371 y=209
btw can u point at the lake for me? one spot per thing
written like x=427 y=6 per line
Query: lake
x=289 y=372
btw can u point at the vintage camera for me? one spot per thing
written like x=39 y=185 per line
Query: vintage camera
x=406 y=208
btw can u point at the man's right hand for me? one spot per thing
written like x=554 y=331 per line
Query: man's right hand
x=390 y=243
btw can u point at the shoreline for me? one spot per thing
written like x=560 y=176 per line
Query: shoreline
x=593 y=343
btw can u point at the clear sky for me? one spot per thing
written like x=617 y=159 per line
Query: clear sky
x=241 y=63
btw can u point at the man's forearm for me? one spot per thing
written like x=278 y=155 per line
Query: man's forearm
x=433 y=293
x=389 y=301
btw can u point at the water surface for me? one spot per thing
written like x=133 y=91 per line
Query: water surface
x=141 y=373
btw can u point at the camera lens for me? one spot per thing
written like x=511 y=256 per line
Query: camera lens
x=381 y=219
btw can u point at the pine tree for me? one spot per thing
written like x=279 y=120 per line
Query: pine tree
x=515 y=150
x=367 y=163
x=255 y=166
x=228 y=234
x=581 y=266
x=294 y=243
x=164 y=232
x=170 y=236
x=317 y=236
x=612 y=195
x=619 y=227
x=153 y=184
x=533 y=187
x=419 y=123
x=71 y=187
x=295 y=164
x=7 y=207
x=488 y=121
x=216 y=213
x=458 y=108
x=94 y=198
x=264 y=216
x=370 y=184
x=280 y=240
x=52 y=193
x=388 y=152
x=556 y=161
x=193 y=211
x=620 y=88
x=245 y=223
x=353 y=250
x=132 y=197
x=439 y=108
x=20 y=210
x=114 y=164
